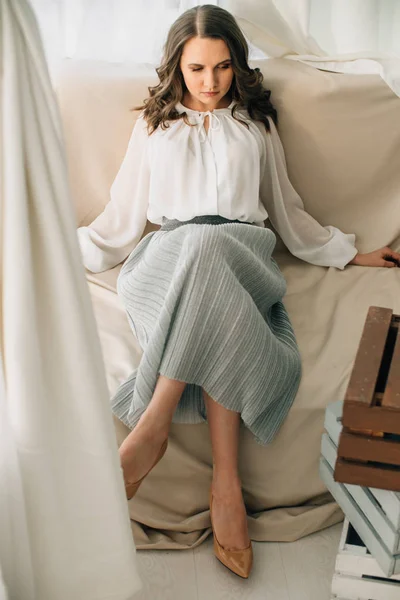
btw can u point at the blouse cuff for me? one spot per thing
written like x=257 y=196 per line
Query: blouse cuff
x=346 y=250
x=340 y=249
x=93 y=257
x=337 y=252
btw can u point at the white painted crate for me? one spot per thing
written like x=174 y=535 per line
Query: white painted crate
x=357 y=574
x=389 y=502
x=366 y=502
x=389 y=563
x=364 y=589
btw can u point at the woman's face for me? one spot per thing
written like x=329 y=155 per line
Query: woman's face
x=206 y=67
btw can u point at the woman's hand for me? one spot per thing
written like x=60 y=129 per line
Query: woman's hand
x=384 y=257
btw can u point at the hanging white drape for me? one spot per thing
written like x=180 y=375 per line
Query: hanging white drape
x=64 y=525
x=352 y=36
x=364 y=34
x=111 y=30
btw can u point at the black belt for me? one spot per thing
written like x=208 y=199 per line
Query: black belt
x=169 y=224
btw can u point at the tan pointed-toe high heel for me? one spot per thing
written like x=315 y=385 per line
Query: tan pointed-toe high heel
x=240 y=561
x=131 y=487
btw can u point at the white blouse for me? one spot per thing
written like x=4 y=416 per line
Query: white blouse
x=229 y=170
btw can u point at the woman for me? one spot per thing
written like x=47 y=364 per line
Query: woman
x=203 y=294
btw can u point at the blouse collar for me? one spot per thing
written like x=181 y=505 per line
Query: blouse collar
x=190 y=111
x=197 y=117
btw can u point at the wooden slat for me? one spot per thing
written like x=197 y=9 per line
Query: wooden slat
x=369 y=432
x=391 y=395
x=367 y=475
x=368 y=359
x=356 y=447
x=375 y=418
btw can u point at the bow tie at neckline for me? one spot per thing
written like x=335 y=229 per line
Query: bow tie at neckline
x=199 y=116
x=214 y=124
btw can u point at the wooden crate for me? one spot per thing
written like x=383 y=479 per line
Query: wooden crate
x=369 y=445
x=357 y=574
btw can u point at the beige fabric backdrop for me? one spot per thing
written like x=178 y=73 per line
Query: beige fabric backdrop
x=342 y=143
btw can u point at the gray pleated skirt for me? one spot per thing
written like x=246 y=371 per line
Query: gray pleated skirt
x=204 y=300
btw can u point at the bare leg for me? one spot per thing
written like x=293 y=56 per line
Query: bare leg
x=140 y=448
x=229 y=512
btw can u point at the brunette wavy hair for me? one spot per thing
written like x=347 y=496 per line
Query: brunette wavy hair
x=247 y=91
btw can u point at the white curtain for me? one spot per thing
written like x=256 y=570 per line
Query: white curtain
x=347 y=36
x=64 y=524
x=111 y=30
x=354 y=36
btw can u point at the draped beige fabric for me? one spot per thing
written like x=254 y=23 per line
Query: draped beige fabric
x=64 y=525
x=342 y=143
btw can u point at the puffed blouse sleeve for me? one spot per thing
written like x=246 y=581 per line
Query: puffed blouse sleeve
x=111 y=237
x=304 y=237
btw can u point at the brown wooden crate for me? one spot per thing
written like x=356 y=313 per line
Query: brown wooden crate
x=369 y=444
x=366 y=448
x=369 y=356
x=367 y=475
x=372 y=400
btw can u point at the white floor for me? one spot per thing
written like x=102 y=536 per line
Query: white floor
x=301 y=570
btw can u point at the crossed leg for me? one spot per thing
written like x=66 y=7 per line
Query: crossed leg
x=140 y=448
x=139 y=451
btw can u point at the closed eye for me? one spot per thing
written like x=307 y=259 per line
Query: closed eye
x=221 y=67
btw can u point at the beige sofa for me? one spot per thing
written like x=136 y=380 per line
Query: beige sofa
x=342 y=140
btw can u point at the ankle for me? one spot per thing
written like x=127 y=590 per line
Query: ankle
x=223 y=483
x=153 y=428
